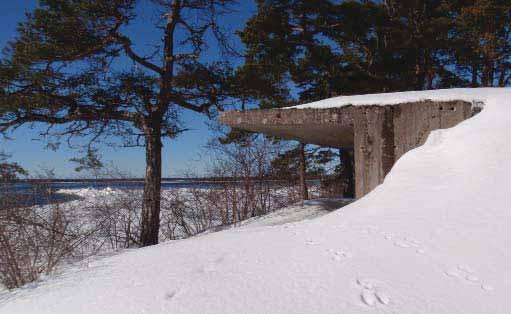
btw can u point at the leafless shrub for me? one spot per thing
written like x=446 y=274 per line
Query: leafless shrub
x=244 y=187
x=34 y=240
x=186 y=212
x=116 y=218
x=113 y=211
x=253 y=189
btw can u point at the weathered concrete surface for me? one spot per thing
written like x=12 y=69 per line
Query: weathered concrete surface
x=379 y=135
x=374 y=147
x=324 y=127
x=414 y=121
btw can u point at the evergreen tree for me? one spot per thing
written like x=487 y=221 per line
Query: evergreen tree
x=63 y=70
x=90 y=162
x=298 y=165
x=481 y=41
x=287 y=51
x=9 y=171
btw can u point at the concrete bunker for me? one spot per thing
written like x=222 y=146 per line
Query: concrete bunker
x=378 y=134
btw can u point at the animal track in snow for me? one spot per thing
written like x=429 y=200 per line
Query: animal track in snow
x=408 y=242
x=369 y=229
x=487 y=287
x=466 y=269
x=466 y=274
x=372 y=293
x=471 y=278
x=170 y=295
x=340 y=255
x=368 y=297
x=382 y=297
x=454 y=273
x=387 y=235
x=401 y=244
x=365 y=283
x=311 y=242
x=413 y=242
x=405 y=243
x=462 y=272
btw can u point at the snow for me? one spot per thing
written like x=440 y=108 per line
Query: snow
x=433 y=238
x=477 y=96
x=300 y=212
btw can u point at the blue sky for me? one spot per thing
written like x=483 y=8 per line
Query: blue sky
x=180 y=155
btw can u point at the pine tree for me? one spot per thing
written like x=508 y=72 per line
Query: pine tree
x=91 y=162
x=9 y=171
x=61 y=71
x=298 y=164
x=287 y=51
x=482 y=41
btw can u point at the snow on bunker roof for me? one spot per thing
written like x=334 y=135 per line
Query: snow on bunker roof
x=477 y=96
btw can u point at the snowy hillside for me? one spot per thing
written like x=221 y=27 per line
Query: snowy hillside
x=299 y=212
x=433 y=238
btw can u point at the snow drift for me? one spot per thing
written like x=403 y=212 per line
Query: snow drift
x=433 y=238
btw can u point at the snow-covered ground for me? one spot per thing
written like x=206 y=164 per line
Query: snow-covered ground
x=433 y=238
x=299 y=212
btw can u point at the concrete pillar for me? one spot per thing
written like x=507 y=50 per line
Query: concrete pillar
x=374 y=146
x=382 y=134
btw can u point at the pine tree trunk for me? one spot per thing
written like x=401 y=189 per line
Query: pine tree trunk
x=347 y=174
x=474 y=75
x=491 y=73
x=303 y=173
x=485 y=75
x=152 y=188
x=420 y=74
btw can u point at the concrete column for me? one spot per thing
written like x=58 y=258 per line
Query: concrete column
x=374 y=147
x=382 y=134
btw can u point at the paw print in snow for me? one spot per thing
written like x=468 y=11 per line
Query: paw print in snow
x=372 y=293
x=340 y=255
x=466 y=274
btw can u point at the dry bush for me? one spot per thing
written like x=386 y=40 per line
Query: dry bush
x=113 y=214
x=186 y=212
x=180 y=217
x=34 y=240
x=253 y=189
x=245 y=187
x=116 y=218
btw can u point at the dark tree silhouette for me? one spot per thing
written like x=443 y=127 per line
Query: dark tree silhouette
x=63 y=71
x=9 y=171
